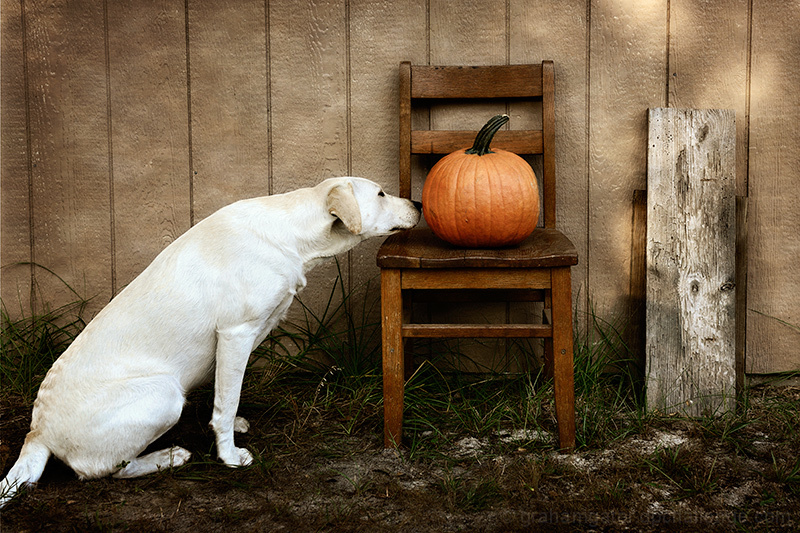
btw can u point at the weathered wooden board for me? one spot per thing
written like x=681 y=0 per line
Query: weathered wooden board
x=229 y=103
x=691 y=239
x=150 y=131
x=15 y=208
x=773 y=272
x=70 y=188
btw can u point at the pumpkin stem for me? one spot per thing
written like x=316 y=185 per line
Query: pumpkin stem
x=484 y=137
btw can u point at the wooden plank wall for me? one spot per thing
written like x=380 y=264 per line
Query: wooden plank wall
x=123 y=123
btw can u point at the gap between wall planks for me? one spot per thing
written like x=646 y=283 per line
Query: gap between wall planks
x=691 y=238
x=638 y=287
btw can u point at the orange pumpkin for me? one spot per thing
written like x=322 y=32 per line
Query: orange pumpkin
x=482 y=198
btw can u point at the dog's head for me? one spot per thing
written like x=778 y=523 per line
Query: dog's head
x=365 y=210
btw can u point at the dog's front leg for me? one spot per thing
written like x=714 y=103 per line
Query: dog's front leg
x=233 y=351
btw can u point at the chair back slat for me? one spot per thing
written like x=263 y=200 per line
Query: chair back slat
x=444 y=142
x=422 y=84
x=508 y=81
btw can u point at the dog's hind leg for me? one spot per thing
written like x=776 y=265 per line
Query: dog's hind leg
x=140 y=411
x=241 y=425
x=154 y=462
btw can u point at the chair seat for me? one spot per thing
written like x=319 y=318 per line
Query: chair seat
x=420 y=248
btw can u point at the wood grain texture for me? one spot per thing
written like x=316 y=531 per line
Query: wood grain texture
x=382 y=34
x=476 y=331
x=150 y=130
x=229 y=103
x=15 y=207
x=420 y=248
x=479 y=278
x=444 y=142
x=70 y=196
x=773 y=280
x=309 y=113
x=308 y=62
x=691 y=239
x=562 y=357
x=708 y=47
x=628 y=59
x=472 y=82
x=393 y=357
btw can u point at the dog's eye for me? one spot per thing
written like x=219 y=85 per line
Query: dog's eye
x=381 y=193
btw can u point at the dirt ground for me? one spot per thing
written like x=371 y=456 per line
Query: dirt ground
x=313 y=475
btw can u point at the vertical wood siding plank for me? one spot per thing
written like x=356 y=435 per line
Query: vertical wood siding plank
x=773 y=281
x=741 y=296
x=308 y=62
x=15 y=231
x=638 y=290
x=69 y=150
x=533 y=26
x=230 y=123
x=708 y=54
x=473 y=34
x=382 y=34
x=309 y=92
x=627 y=70
x=149 y=114
x=708 y=46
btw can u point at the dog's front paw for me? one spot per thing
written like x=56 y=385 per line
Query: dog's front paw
x=239 y=457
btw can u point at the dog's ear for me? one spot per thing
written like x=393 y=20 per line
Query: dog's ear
x=342 y=203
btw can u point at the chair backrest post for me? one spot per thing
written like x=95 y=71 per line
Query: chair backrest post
x=405 y=129
x=549 y=142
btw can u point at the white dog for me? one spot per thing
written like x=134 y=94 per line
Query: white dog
x=195 y=313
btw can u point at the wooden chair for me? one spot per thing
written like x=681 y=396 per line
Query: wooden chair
x=416 y=260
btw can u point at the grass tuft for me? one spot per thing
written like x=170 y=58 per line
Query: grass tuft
x=30 y=344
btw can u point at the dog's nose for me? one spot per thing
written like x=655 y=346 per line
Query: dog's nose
x=418 y=205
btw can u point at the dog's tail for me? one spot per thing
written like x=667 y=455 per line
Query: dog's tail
x=26 y=471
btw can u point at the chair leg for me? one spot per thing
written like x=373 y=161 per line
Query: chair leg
x=563 y=370
x=408 y=343
x=393 y=364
